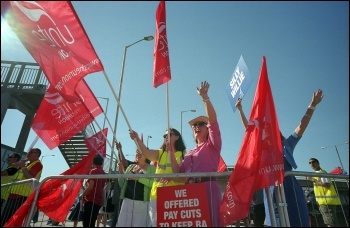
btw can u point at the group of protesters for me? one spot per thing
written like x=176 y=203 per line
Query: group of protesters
x=133 y=196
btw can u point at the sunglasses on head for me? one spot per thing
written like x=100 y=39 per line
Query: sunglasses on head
x=171 y=134
x=312 y=162
x=199 y=124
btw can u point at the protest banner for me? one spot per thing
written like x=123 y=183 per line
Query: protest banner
x=183 y=206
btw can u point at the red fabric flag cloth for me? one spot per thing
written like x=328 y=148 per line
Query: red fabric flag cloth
x=97 y=142
x=222 y=165
x=53 y=34
x=56 y=196
x=161 y=67
x=260 y=161
x=337 y=170
x=57 y=120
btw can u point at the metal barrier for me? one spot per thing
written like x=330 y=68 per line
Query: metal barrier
x=316 y=219
x=11 y=188
x=340 y=183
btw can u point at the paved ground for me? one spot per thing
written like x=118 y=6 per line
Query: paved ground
x=43 y=219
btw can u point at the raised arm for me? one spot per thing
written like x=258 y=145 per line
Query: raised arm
x=151 y=155
x=316 y=99
x=209 y=108
x=241 y=113
x=121 y=156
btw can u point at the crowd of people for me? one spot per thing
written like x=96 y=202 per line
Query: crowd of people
x=132 y=197
x=16 y=195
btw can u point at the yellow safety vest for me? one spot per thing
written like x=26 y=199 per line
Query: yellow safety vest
x=163 y=168
x=324 y=195
x=5 y=190
x=27 y=188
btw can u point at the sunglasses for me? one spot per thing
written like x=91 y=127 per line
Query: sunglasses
x=199 y=124
x=11 y=157
x=171 y=134
x=312 y=162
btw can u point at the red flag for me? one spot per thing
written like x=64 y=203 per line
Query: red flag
x=57 y=120
x=53 y=34
x=222 y=165
x=337 y=170
x=260 y=161
x=161 y=67
x=97 y=142
x=56 y=196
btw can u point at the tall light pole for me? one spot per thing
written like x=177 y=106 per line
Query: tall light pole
x=336 y=149
x=104 y=121
x=148 y=137
x=147 y=38
x=42 y=157
x=192 y=110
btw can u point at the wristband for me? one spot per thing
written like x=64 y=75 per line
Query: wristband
x=311 y=107
x=205 y=100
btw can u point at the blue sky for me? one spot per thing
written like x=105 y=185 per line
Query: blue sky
x=306 y=45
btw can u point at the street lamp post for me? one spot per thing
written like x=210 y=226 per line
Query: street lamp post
x=148 y=137
x=147 y=38
x=192 y=110
x=42 y=157
x=336 y=149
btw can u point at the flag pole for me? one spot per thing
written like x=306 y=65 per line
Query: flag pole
x=285 y=209
x=111 y=162
x=121 y=109
x=168 y=118
x=279 y=203
x=33 y=143
x=271 y=207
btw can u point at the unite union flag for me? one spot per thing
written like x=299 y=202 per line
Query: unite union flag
x=260 y=161
x=58 y=120
x=53 y=34
x=161 y=67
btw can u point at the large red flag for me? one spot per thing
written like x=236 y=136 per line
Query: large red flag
x=161 y=67
x=222 y=165
x=56 y=196
x=97 y=142
x=53 y=34
x=260 y=161
x=57 y=120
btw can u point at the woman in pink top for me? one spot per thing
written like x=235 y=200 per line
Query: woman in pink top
x=205 y=156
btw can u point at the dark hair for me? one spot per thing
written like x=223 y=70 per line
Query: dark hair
x=37 y=150
x=98 y=160
x=314 y=159
x=17 y=156
x=179 y=143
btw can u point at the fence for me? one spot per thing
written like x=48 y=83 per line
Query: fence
x=315 y=218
